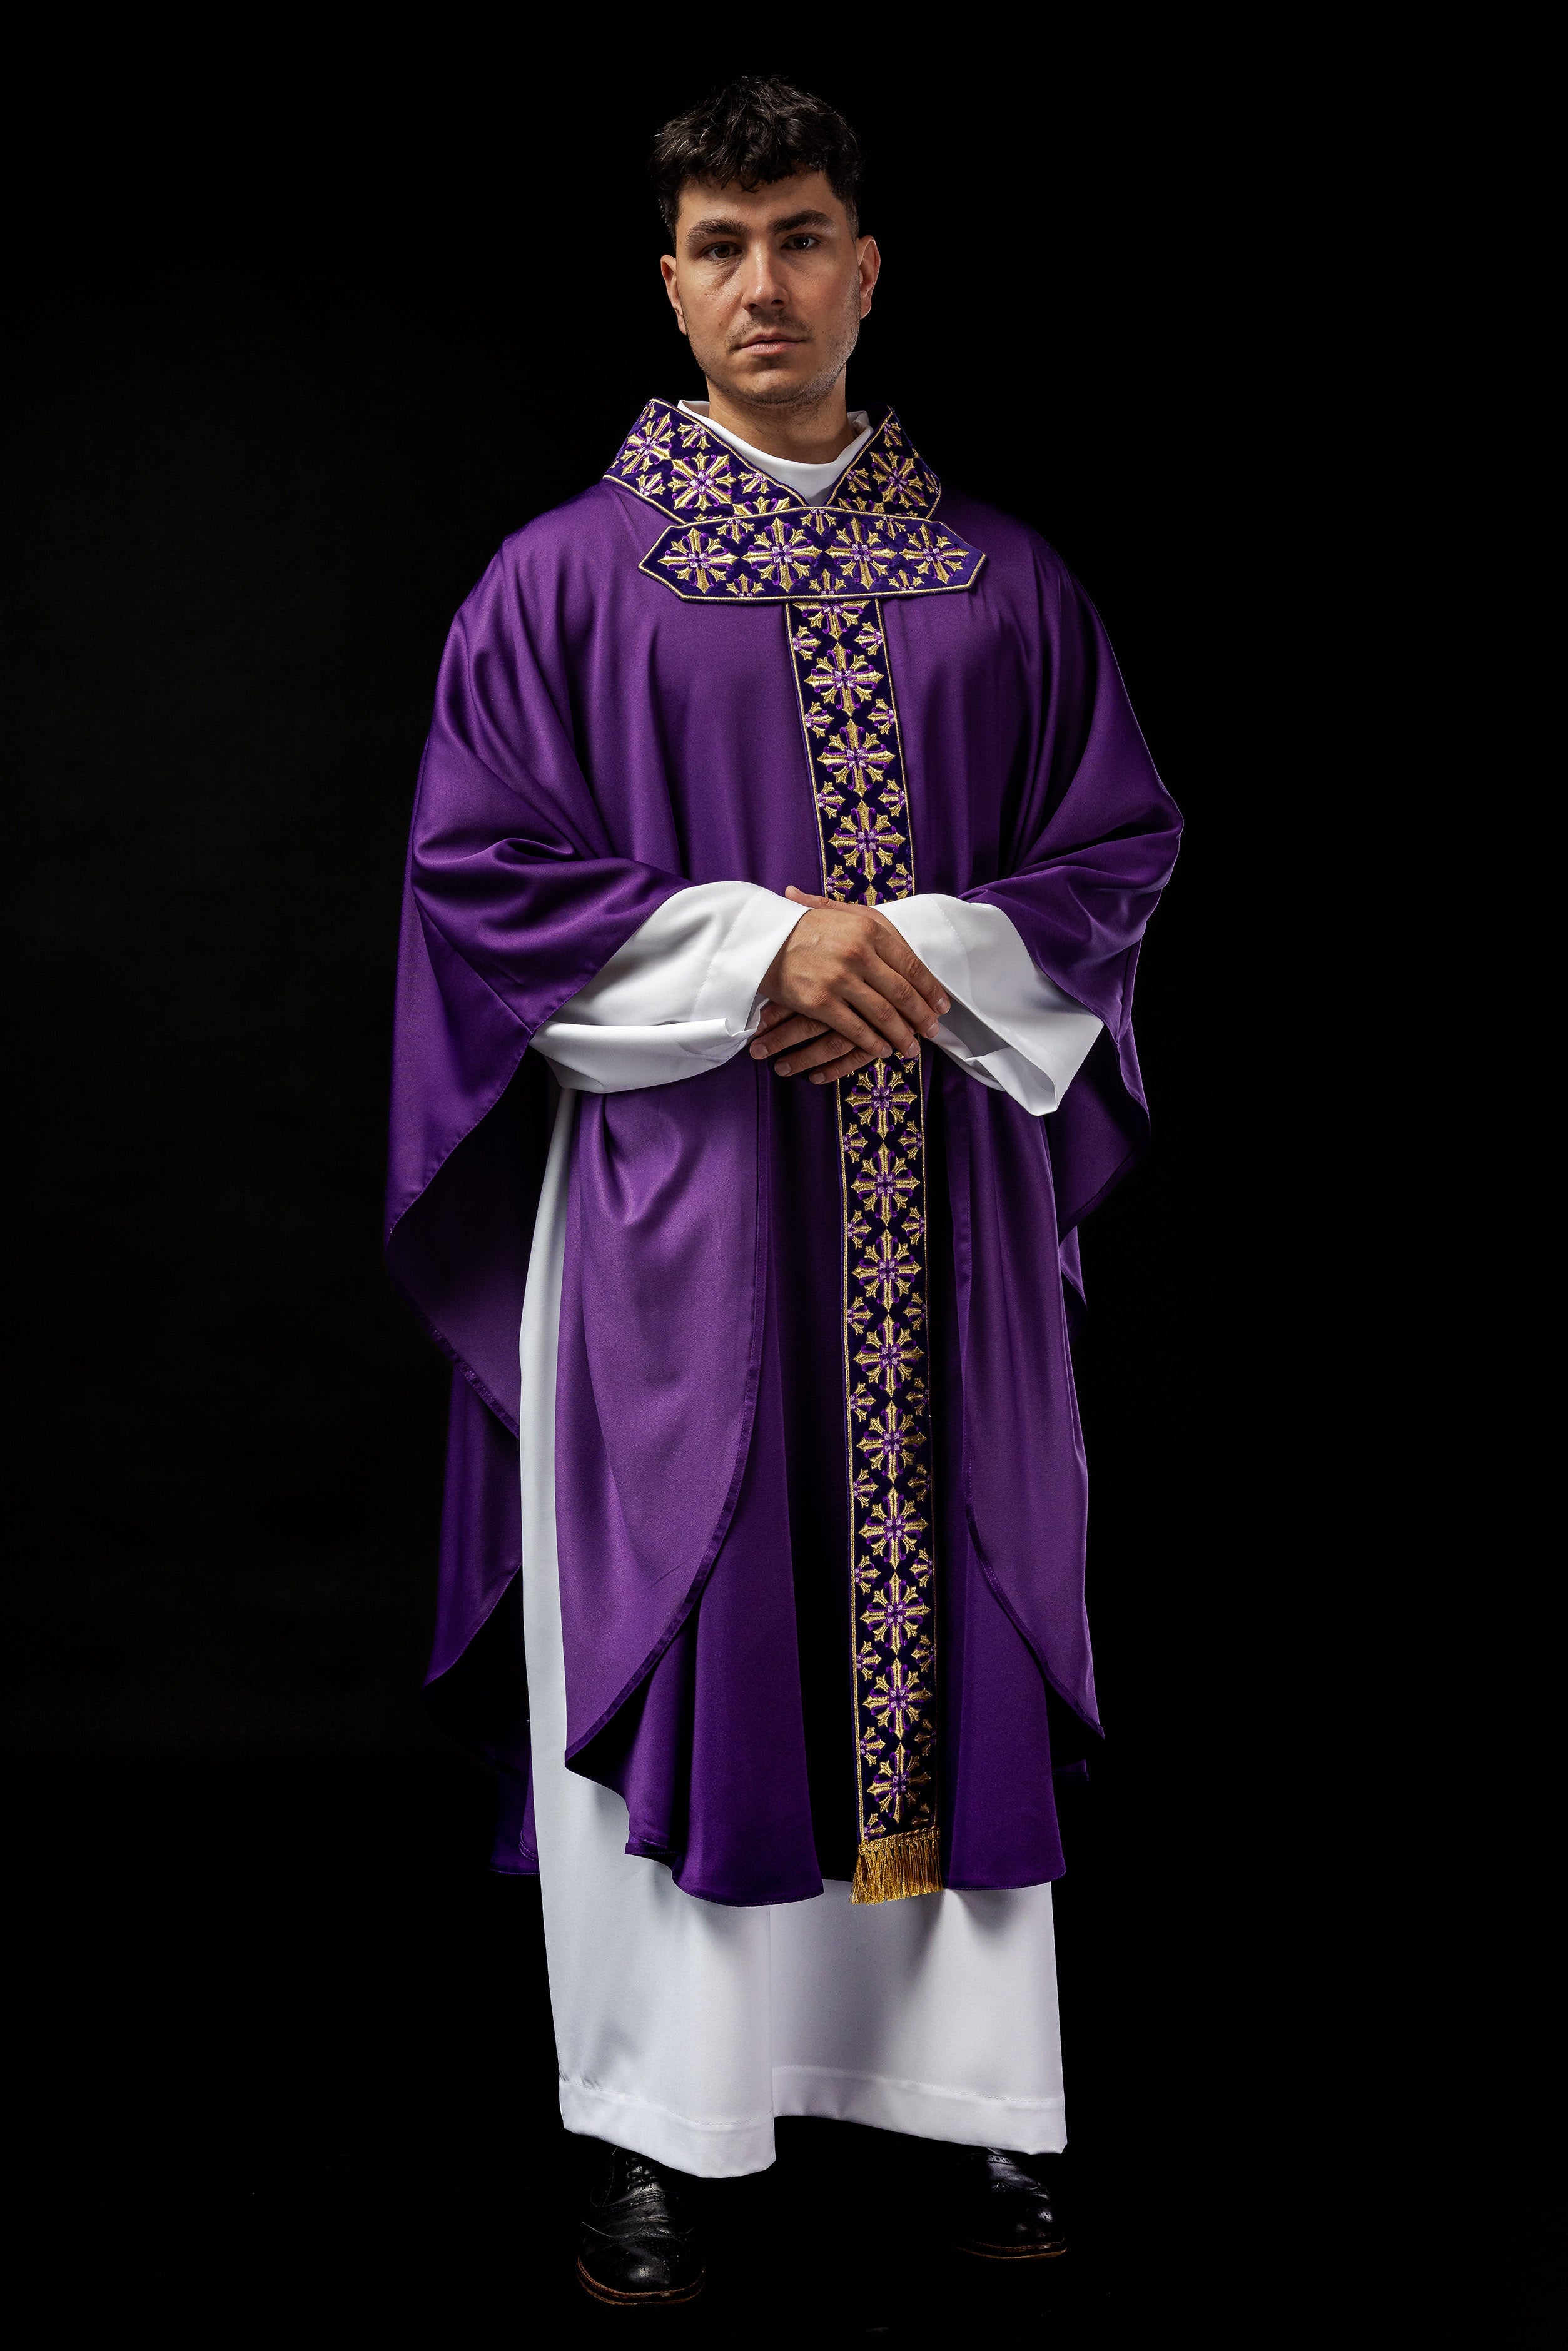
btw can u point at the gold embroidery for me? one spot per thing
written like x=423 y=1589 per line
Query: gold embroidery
x=738 y=535
x=734 y=534
x=850 y=726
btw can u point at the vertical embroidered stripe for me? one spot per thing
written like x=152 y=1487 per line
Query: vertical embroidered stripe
x=856 y=759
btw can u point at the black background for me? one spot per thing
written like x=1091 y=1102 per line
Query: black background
x=286 y=367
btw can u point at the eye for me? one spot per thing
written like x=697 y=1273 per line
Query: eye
x=718 y=251
x=804 y=242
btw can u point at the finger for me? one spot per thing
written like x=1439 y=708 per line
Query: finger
x=793 y=1031
x=845 y=1067
x=837 y=1010
x=821 y=1051
x=771 y=1014
x=809 y=1056
x=922 y=1010
x=883 y=1018
x=905 y=999
x=902 y=959
x=804 y=898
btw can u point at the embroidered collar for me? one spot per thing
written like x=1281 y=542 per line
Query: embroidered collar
x=678 y=465
x=739 y=534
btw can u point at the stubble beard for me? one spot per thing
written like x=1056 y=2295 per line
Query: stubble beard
x=772 y=391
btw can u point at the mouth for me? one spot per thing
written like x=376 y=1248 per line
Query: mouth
x=765 y=343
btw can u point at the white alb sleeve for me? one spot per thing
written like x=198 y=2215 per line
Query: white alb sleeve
x=1009 y=1027
x=681 y=996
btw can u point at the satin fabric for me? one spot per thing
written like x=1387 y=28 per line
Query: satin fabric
x=681 y=2027
x=598 y=745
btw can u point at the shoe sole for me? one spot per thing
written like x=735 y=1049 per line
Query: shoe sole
x=1010 y=2253
x=638 y=2300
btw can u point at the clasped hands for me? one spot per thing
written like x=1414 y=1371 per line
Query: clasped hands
x=843 y=990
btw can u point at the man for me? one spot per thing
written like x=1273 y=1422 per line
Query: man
x=783 y=844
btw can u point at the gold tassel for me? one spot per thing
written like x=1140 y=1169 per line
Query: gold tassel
x=891 y=1867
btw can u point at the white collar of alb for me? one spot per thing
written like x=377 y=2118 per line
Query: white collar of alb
x=812 y=483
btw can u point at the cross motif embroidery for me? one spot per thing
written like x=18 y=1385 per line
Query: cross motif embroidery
x=738 y=536
x=850 y=725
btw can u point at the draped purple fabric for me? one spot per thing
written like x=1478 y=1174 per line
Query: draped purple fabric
x=598 y=744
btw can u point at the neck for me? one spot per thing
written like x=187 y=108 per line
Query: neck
x=812 y=433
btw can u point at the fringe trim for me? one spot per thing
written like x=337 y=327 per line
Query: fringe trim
x=889 y=1869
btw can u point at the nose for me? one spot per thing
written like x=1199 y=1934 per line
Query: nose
x=763 y=289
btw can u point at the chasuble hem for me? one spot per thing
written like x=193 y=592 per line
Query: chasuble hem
x=577 y=1746
x=683 y=2026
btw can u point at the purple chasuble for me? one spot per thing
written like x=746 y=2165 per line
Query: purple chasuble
x=657 y=685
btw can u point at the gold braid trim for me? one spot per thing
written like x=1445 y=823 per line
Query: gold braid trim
x=889 y=1867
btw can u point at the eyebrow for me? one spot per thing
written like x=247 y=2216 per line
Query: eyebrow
x=808 y=219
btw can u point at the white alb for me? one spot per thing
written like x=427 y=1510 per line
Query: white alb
x=684 y=2027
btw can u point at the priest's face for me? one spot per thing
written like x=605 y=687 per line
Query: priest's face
x=770 y=286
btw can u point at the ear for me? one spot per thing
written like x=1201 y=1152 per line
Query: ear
x=668 y=268
x=870 y=261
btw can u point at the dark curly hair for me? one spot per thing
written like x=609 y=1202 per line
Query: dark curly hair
x=751 y=132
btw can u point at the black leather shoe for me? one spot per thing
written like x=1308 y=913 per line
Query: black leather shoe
x=1002 y=2212
x=638 y=2243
